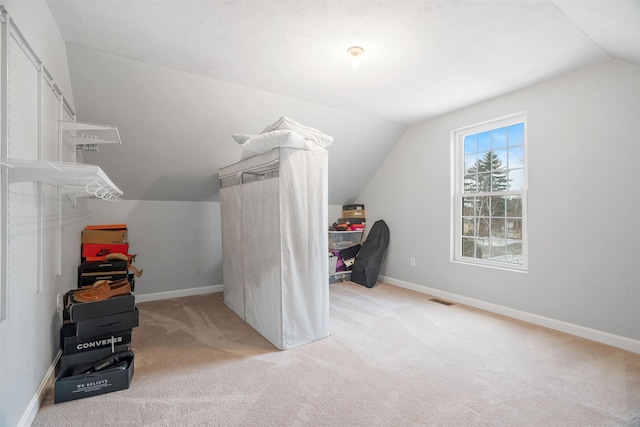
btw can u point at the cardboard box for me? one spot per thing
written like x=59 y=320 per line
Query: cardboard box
x=107 y=325
x=355 y=213
x=95 y=268
x=87 y=385
x=106 y=227
x=90 y=272
x=88 y=356
x=105 y=236
x=354 y=207
x=70 y=343
x=100 y=306
x=79 y=311
x=101 y=249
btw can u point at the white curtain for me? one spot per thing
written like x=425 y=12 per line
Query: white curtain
x=275 y=266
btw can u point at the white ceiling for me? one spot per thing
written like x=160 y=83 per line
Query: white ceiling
x=422 y=58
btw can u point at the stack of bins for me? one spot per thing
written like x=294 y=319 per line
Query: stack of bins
x=348 y=239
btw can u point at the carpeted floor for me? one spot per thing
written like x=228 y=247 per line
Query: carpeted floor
x=394 y=358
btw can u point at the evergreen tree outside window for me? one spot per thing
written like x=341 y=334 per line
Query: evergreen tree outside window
x=490 y=193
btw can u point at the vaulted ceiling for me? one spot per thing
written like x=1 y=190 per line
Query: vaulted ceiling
x=179 y=77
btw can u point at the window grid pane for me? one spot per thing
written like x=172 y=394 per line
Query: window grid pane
x=498 y=206
x=514 y=206
x=468 y=206
x=498 y=138
x=468 y=227
x=484 y=142
x=492 y=226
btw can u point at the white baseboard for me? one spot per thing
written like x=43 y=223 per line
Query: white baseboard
x=36 y=401
x=558 y=325
x=179 y=293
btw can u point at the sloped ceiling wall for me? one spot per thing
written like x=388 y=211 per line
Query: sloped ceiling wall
x=176 y=128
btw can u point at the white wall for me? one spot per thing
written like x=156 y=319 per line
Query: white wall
x=36 y=23
x=584 y=199
x=178 y=243
x=334 y=212
x=29 y=336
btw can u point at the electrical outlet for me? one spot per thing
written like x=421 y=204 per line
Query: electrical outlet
x=412 y=262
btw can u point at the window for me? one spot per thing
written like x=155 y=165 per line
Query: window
x=490 y=193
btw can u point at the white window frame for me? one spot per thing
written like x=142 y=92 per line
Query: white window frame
x=457 y=191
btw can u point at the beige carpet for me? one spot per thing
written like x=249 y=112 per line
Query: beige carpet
x=394 y=358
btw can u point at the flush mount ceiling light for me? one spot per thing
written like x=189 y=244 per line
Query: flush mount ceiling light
x=355 y=51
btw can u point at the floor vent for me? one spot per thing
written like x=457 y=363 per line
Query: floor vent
x=440 y=301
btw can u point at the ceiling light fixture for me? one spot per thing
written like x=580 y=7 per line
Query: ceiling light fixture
x=355 y=51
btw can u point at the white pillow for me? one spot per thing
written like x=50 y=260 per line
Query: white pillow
x=265 y=142
x=258 y=144
x=241 y=138
x=286 y=123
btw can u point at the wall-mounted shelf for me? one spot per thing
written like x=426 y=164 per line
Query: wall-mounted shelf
x=74 y=178
x=90 y=135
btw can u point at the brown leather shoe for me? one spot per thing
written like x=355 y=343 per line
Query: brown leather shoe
x=101 y=290
x=117 y=283
x=112 y=283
